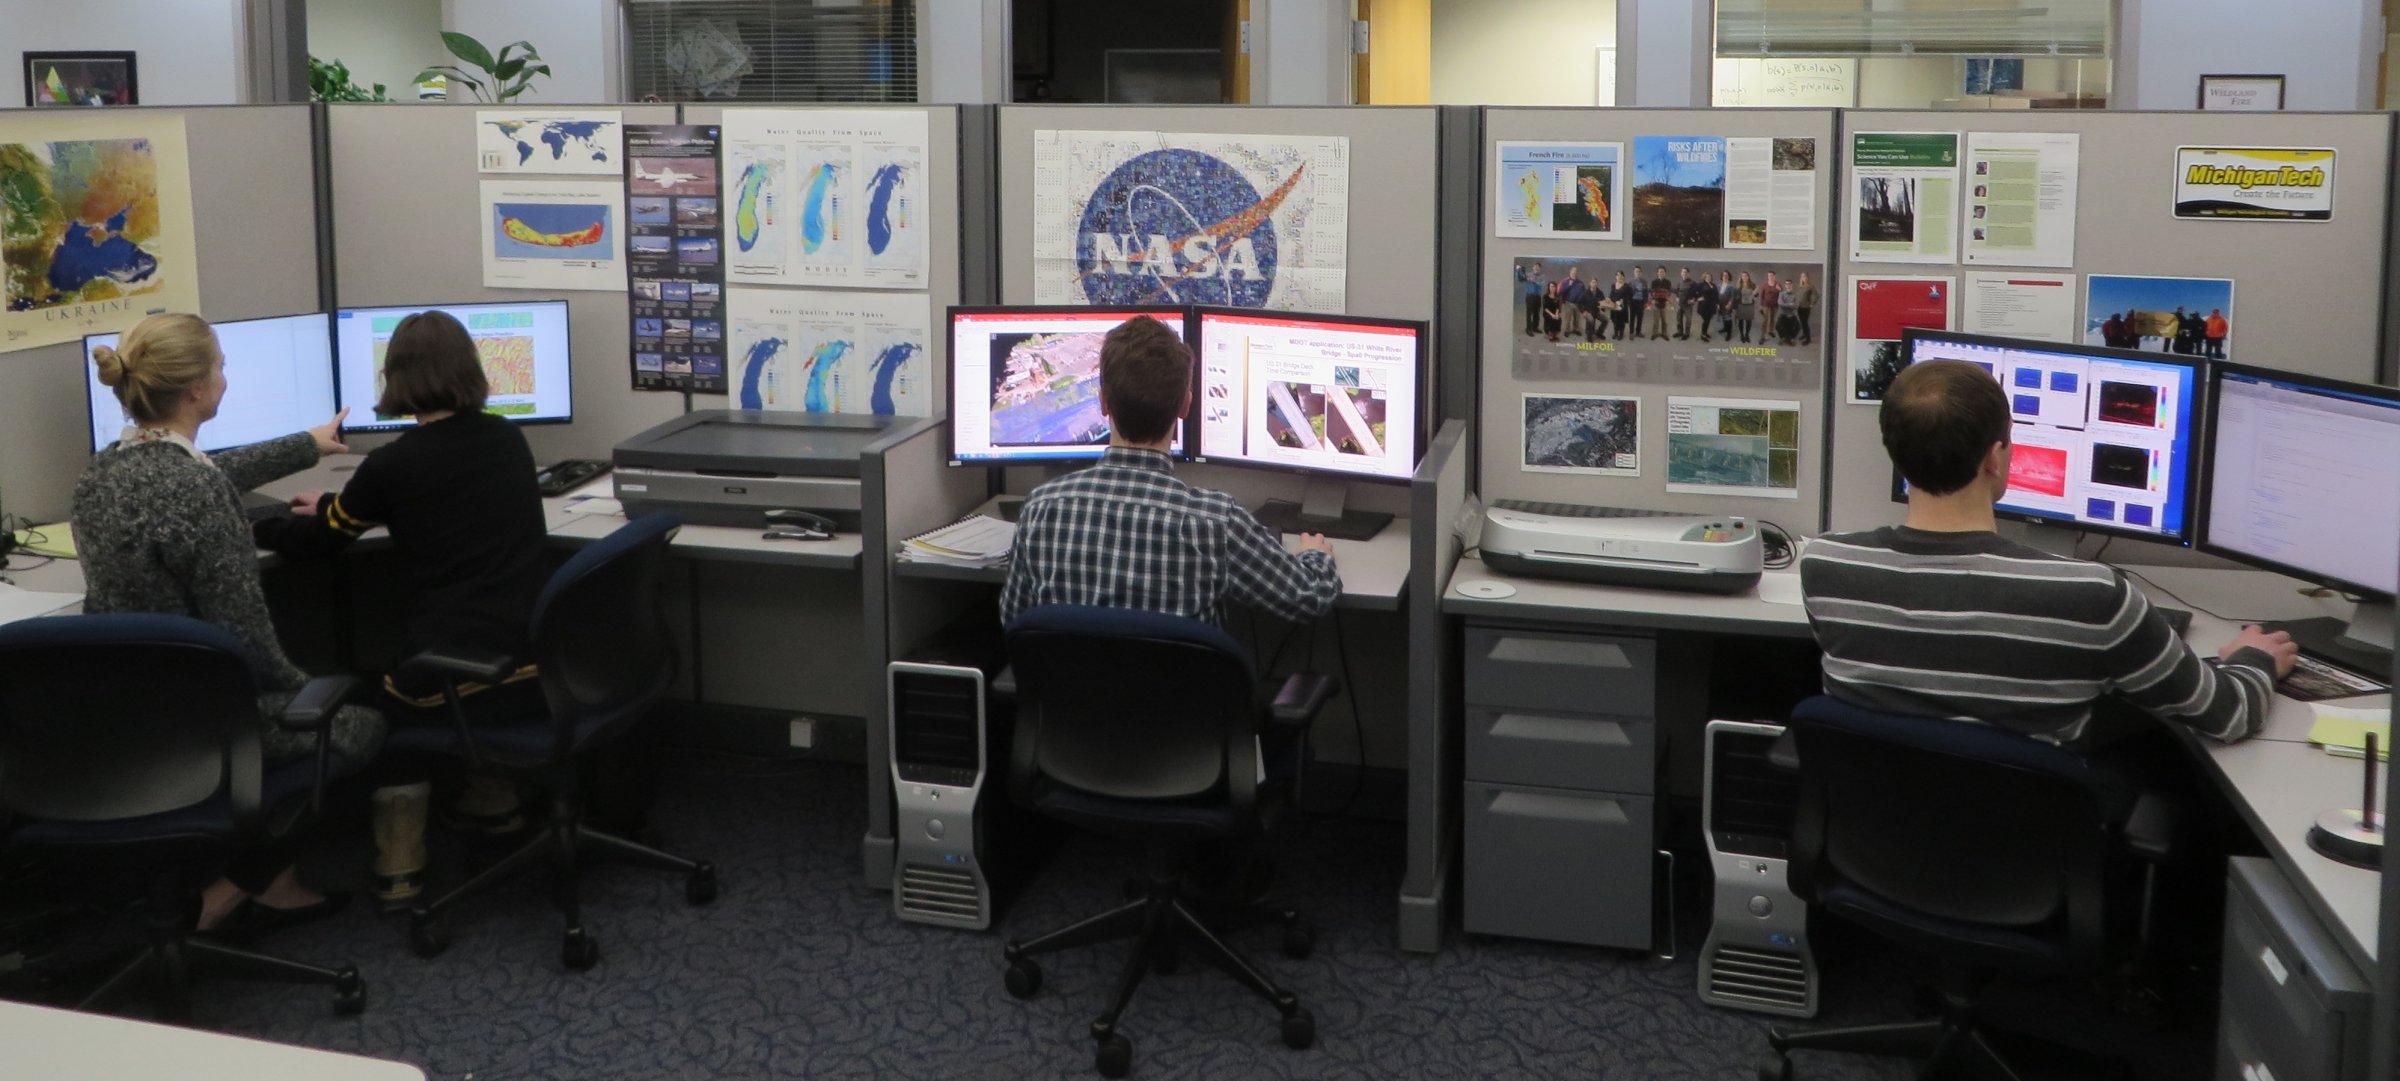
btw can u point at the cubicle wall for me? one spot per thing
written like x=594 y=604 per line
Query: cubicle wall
x=254 y=198
x=1615 y=370
x=1438 y=497
x=2307 y=295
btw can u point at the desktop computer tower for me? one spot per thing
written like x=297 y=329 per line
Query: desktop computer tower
x=1757 y=956
x=960 y=844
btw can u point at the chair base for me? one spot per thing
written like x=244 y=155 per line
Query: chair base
x=175 y=964
x=1954 y=1045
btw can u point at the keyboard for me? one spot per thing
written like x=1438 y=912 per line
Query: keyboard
x=569 y=475
x=2177 y=618
x=260 y=512
x=1579 y=510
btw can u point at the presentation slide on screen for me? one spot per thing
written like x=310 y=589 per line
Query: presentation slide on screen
x=278 y=380
x=1026 y=386
x=1316 y=395
x=525 y=358
x=2099 y=441
x=2302 y=477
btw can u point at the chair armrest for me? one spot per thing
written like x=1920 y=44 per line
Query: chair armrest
x=1004 y=684
x=315 y=705
x=1300 y=698
x=2151 y=827
x=434 y=664
x=1785 y=754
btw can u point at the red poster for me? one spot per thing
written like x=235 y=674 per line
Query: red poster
x=1888 y=306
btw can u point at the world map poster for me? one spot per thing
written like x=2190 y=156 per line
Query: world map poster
x=1146 y=217
x=95 y=225
x=835 y=197
x=583 y=143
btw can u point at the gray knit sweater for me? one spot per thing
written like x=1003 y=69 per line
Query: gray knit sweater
x=161 y=531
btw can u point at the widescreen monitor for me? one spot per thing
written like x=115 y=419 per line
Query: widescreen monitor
x=1025 y=382
x=2300 y=481
x=278 y=380
x=526 y=358
x=2102 y=440
x=1317 y=393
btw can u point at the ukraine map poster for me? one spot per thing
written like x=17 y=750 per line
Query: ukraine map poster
x=830 y=351
x=95 y=224
x=837 y=197
x=554 y=234
x=578 y=143
x=1146 y=217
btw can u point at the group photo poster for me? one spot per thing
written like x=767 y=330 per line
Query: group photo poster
x=555 y=234
x=1566 y=191
x=1881 y=310
x=1904 y=197
x=2021 y=198
x=2187 y=316
x=1733 y=446
x=1679 y=191
x=1771 y=193
x=1587 y=434
x=675 y=263
x=2254 y=183
x=1666 y=310
x=2018 y=304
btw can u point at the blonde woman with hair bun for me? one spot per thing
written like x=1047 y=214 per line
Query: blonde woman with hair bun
x=159 y=527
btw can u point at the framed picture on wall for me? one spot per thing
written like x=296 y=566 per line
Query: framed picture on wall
x=61 y=79
x=2241 y=93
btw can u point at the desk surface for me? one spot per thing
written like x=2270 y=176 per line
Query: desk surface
x=59 y=1045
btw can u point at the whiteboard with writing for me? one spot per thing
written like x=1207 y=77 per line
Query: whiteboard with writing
x=1820 y=83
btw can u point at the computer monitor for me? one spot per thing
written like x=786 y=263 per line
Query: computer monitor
x=2300 y=481
x=1025 y=382
x=1332 y=396
x=526 y=351
x=278 y=380
x=2103 y=440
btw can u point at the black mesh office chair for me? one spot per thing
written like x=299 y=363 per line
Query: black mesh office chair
x=601 y=642
x=1986 y=850
x=1144 y=726
x=129 y=752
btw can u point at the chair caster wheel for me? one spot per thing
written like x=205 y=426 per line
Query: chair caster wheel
x=1299 y=939
x=1775 y=1067
x=1115 y=1056
x=701 y=887
x=1299 y=1030
x=578 y=951
x=425 y=936
x=349 y=993
x=1024 y=978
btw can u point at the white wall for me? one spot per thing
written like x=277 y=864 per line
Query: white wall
x=1518 y=52
x=187 y=52
x=2325 y=50
x=383 y=41
x=577 y=38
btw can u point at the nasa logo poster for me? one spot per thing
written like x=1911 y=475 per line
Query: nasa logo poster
x=675 y=216
x=1247 y=221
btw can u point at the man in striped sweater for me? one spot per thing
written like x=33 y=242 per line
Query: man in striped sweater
x=1941 y=617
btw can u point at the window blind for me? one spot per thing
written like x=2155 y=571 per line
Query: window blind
x=2064 y=28
x=771 y=50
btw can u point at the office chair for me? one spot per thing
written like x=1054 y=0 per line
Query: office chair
x=1986 y=850
x=602 y=647
x=1142 y=726
x=129 y=752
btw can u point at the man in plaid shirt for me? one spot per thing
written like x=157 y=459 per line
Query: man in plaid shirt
x=1125 y=533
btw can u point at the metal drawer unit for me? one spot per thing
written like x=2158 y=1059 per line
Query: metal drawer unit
x=2293 y=1006
x=1562 y=755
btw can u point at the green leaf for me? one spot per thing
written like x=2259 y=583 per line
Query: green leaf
x=468 y=49
x=525 y=45
x=508 y=69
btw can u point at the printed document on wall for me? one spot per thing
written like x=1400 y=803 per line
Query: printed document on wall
x=95 y=223
x=827 y=197
x=1903 y=197
x=583 y=143
x=1564 y=191
x=556 y=234
x=2021 y=198
x=825 y=351
x=1770 y=193
x=1733 y=446
x=1147 y=217
x=2020 y=305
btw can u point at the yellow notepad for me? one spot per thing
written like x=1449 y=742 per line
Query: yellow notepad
x=2344 y=731
x=56 y=539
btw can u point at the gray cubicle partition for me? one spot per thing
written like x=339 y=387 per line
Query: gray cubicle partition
x=1501 y=427
x=1437 y=498
x=254 y=198
x=2307 y=295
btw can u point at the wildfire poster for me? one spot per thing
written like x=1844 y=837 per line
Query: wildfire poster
x=554 y=234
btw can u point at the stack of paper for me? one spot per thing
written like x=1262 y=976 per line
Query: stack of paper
x=977 y=540
x=16 y=604
x=2344 y=731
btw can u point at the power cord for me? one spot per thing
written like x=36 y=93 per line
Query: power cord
x=1358 y=725
x=2173 y=596
x=1781 y=548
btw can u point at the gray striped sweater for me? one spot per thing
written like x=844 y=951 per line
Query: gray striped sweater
x=1971 y=626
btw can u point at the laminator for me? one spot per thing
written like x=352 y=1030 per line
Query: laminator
x=732 y=466
x=1695 y=553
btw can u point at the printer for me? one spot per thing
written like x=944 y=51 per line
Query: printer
x=1697 y=553
x=732 y=466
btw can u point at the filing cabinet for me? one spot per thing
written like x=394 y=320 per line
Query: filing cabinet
x=2294 y=1008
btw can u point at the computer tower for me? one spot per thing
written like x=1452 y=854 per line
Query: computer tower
x=939 y=776
x=1757 y=956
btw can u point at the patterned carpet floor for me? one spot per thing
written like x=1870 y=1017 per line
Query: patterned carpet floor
x=798 y=972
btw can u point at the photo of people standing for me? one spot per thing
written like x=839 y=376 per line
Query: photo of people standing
x=1693 y=308
x=2190 y=317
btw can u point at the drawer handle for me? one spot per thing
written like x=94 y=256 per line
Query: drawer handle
x=1560 y=652
x=2273 y=965
x=1560 y=730
x=1606 y=812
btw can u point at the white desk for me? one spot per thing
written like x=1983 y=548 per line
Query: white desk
x=44 y=1044
x=1624 y=606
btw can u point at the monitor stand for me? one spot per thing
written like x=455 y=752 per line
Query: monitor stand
x=1322 y=509
x=2363 y=645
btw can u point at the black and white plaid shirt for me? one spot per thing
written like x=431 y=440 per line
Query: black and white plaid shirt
x=1125 y=533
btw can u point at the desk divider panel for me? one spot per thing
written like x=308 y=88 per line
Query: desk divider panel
x=1501 y=426
x=256 y=217
x=1437 y=497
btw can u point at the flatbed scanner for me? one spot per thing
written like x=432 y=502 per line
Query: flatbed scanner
x=731 y=466
x=1696 y=553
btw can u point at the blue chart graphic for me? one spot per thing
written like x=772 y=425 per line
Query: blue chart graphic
x=879 y=206
x=1179 y=227
x=888 y=365
x=823 y=361
x=754 y=364
x=817 y=208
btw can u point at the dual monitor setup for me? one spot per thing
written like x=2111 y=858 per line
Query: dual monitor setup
x=2287 y=472
x=291 y=373
x=1333 y=397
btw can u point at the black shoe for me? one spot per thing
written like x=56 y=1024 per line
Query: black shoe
x=254 y=919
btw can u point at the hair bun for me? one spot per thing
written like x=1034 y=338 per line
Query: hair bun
x=112 y=366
